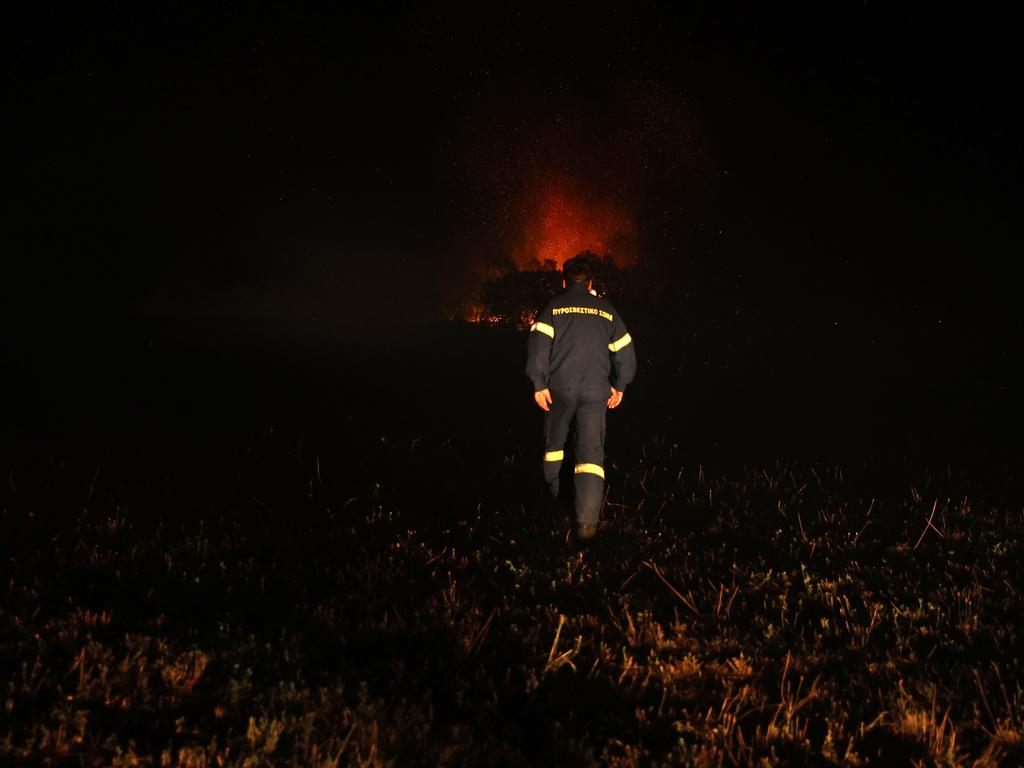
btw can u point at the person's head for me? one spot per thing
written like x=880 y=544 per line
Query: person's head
x=576 y=271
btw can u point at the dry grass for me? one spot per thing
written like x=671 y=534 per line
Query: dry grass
x=780 y=616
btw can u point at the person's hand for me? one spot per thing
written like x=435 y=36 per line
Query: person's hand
x=615 y=399
x=543 y=399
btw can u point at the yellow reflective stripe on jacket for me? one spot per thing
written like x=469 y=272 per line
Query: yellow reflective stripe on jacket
x=591 y=469
x=543 y=328
x=615 y=346
x=554 y=455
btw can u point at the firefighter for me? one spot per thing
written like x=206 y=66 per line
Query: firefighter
x=580 y=359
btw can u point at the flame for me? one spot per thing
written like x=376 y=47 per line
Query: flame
x=476 y=313
x=564 y=223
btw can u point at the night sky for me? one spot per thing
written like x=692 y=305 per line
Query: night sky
x=349 y=168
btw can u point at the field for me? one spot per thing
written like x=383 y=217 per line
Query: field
x=387 y=592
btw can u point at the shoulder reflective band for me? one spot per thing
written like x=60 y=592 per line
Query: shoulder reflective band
x=554 y=455
x=615 y=346
x=543 y=328
x=590 y=469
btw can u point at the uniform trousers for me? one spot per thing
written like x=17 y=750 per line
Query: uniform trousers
x=585 y=408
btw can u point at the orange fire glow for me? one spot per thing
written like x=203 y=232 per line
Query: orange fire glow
x=558 y=222
x=476 y=313
x=564 y=223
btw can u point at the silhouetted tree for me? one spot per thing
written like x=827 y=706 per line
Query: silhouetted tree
x=514 y=297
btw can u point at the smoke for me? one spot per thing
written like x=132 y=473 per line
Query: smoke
x=563 y=220
x=623 y=173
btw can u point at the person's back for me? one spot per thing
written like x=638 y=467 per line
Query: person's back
x=580 y=360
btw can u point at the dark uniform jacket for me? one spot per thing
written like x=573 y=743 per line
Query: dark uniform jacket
x=579 y=340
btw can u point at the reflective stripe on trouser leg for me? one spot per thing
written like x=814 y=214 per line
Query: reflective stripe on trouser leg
x=589 y=493
x=552 y=467
x=589 y=474
x=556 y=430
